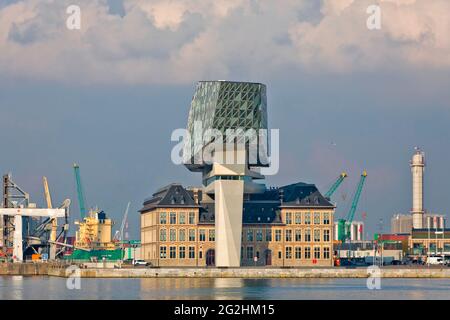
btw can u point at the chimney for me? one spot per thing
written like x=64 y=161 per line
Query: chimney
x=281 y=195
x=195 y=191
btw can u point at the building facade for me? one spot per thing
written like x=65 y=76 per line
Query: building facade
x=429 y=242
x=288 y=226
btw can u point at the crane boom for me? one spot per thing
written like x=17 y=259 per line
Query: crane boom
x=48 y=197
x=80 y=193
x=344 y=224
x=352 y=211
x=336 y=185
x=124 y=220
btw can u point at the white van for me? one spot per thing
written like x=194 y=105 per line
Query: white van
x=435 y=260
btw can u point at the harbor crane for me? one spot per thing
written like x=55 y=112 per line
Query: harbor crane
x=345 y=224
x=336 y=185
x=119 y=233
x=80 y=192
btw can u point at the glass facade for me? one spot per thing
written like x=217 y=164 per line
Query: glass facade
x=223 y=105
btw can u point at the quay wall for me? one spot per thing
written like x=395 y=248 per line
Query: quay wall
x=91 y=271
x=255 y=273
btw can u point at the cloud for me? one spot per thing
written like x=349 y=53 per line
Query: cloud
x=181 y=41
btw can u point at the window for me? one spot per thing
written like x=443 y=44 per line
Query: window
x=250 y=253
x=307 y=218
x=173 y=218
x=250 y=235
x=326 y=235
x=268 y=235
x=200 y=254
x=173 y=252
x=316 y=252
x=182 y=235
x=278 y=235
x=259 y=235
x=307 y=252
x=316 y=235
x=308 y=235
x=326 y=253
x=182 y=252
x=288 y=217
x=288 y=235
x=316 y=218
x=211 y=235
x=298 y=218
x=298 y=235
x=191 y=252
x=326 y=218
x=182 y=218
x=162 y=252
x=191 y=217
x=298 y=252
x=288 y=252
x=202 y=235
x=173 y=235
x=191 y=235
x=162 y=235
x=280 y=255
x=162 y=218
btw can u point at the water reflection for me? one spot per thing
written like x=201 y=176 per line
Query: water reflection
x=208 y=288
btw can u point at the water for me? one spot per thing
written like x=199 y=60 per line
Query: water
x=19 y=287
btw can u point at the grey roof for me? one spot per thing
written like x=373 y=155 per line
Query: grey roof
x=258 y=208
x=173 y=195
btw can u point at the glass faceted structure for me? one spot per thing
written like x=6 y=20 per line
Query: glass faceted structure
x=223 y=105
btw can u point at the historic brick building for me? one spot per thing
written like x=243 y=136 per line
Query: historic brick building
x=286 y=226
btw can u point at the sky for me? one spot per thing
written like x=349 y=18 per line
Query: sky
x=109 y=95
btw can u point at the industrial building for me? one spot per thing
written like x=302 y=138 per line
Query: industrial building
x=429 y=242
x=403 y=223
x=232 y=220
x=356 y=230
x=425 y=232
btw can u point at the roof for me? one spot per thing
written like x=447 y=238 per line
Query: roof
x=258 y=208
x=173 y=195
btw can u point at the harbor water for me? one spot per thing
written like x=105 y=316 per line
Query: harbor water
x=54 y=288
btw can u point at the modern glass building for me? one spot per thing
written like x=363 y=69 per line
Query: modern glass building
x=223 y=105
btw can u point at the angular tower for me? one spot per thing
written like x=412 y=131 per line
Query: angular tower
x=417 y=165
x=224 y=144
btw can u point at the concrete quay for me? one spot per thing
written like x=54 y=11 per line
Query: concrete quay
x=255 y=273
x=98 y=271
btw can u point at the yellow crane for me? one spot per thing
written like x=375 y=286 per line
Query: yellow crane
x=48 y=199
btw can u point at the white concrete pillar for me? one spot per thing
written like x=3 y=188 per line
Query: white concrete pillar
x=17 y=243
x=229 y=199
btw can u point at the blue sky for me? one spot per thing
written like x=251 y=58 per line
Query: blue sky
x=109 y=96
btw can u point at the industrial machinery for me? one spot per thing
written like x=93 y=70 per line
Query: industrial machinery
x=80 y=192
x=118 y=236
x=344 y=224
x=27 y=230
x=336 y=185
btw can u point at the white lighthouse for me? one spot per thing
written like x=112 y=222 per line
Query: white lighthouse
x=417 y=165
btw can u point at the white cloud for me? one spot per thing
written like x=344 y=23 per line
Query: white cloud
x=179 y=41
